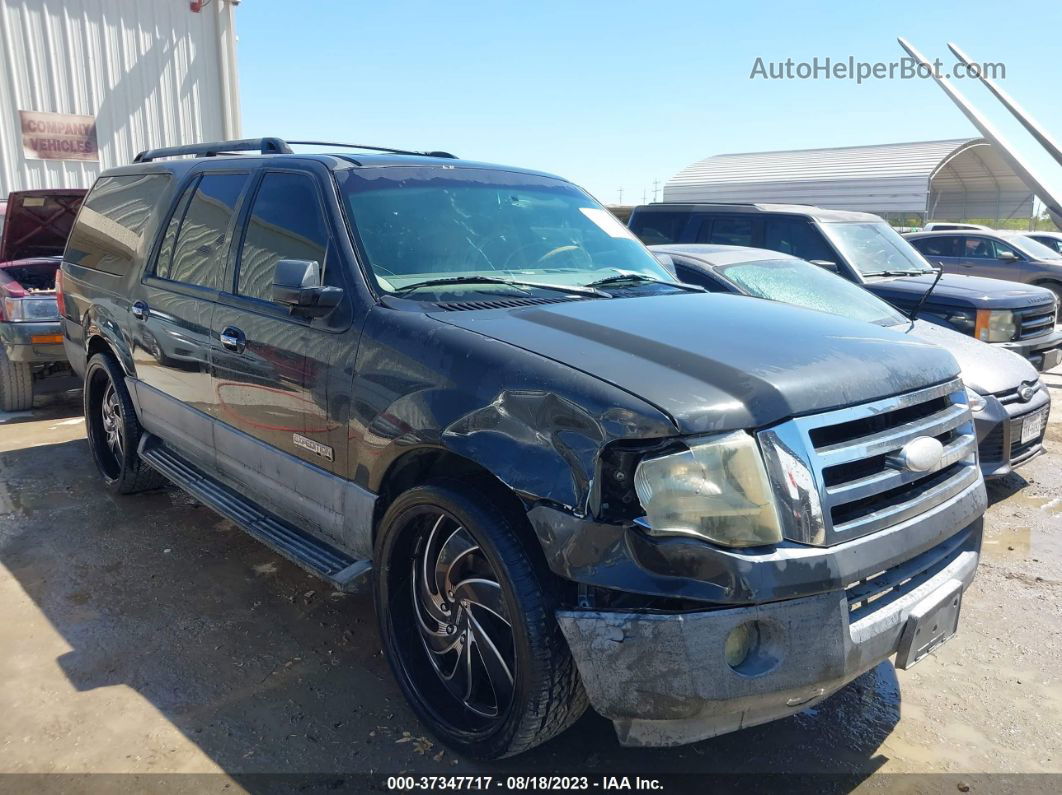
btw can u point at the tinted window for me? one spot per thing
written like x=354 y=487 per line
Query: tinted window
x=938 y=246
x=199 y=250
x=798 y=237
x=658 y=228
x=731 y=232
x=978 y=248
x=286 y=223
x=113 y=221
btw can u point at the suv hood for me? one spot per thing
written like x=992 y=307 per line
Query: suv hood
x=957 y=290
x=719 y=362
x=38 y=222
x=986 y=369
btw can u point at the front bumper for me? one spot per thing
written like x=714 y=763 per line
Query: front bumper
x=17 y=339
x=999 y=446
x=663 y=680
x=1044 y=353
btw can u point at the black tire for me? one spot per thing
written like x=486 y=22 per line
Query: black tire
x=113 y=429
x=16 y=384
x=546 y=694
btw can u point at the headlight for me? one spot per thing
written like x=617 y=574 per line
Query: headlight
x=716 y=489
x=995 y=325
x=29 y=309
x=975 y=401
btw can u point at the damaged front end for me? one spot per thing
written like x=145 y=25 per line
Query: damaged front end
x=725 y=634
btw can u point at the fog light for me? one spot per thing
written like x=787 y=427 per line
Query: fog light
x=737 y=645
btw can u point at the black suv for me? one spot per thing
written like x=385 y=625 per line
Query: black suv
x=864 y=249
x=571 y=477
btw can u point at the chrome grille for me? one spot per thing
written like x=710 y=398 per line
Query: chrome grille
x=1035 y=321
x=847 y=452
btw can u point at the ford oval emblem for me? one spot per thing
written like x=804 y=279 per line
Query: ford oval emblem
x=918 y=455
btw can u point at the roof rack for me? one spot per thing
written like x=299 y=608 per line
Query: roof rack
x=266 y=146
x=375 y=149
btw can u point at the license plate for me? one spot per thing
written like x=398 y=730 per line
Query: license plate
x=932 y=622
x=1033 y=425
x=1052 y=358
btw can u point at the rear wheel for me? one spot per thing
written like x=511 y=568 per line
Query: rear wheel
x=467 y=621
x=16 y=384
x=113 y=429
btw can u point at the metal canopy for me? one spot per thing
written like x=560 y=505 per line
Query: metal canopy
x=947 y=180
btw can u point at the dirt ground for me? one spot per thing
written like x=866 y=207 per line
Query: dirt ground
x=146 y=635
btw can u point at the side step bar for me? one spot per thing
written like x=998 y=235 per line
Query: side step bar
x=314 y=555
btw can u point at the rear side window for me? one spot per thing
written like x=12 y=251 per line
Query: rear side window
x=658 y=228
x=194 y=244
x=286 y=223
x=938 y=246
x=729 y=232
x=113 y=220
x=797 y=237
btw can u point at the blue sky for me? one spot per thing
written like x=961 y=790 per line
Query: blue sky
x=617 y=94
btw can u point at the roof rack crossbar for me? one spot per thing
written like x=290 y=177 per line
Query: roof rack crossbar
x=267 y=146
x=375 y=148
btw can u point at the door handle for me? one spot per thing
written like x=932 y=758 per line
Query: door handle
x=233 y=339
x=140 y=310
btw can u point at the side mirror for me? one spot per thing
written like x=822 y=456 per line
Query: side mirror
x=1008 y=256
x=667 y=262
x=297 y=285
x=825 y=264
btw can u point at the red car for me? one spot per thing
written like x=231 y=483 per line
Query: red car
x=34 y=231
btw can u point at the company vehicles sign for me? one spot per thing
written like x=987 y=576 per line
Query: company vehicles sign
x=58 y=136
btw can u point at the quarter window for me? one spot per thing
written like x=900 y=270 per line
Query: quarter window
x=201 y=233
x=286 y=223
x=113 y=221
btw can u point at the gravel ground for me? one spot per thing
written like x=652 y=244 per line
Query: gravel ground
x=145 y=635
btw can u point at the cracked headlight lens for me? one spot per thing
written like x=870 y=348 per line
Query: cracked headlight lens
x=716 y=489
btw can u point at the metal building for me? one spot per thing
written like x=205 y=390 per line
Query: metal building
x=84 y=85
x=957 y=179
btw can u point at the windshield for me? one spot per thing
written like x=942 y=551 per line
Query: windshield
x=875 y=249
x=419 y=224
x=1033 y=249
x=795 y=281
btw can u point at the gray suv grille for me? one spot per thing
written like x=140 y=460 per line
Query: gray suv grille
x=847 y=453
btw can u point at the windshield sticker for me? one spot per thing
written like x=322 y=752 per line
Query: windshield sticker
x=607 y=222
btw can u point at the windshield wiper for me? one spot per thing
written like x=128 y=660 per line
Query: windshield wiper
x=454 y=280
x=896 y=273
x=925 y=295
x=641 y=278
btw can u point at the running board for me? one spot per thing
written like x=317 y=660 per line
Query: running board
x=312 y=554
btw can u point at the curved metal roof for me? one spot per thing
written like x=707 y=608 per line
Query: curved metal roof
x=957 y=174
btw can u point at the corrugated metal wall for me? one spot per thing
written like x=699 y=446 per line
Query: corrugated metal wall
x=152 y=73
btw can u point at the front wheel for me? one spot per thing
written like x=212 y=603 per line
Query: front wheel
x=16 y=384
x=467 y=620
